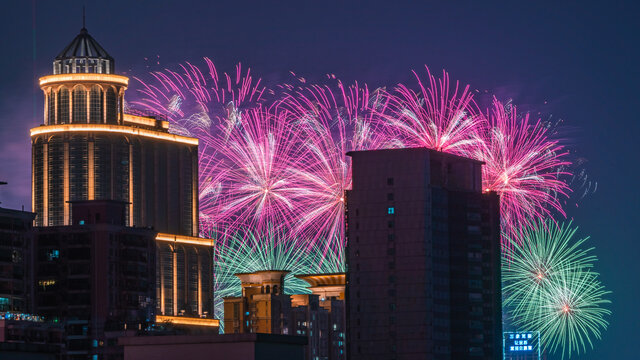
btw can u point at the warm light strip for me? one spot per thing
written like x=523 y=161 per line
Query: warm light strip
x=141 y=120
x=52 y=79
x=113 y=128
x=184 y=239
x=180 y=320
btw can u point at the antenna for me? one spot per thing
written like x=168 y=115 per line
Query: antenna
x=83 y=18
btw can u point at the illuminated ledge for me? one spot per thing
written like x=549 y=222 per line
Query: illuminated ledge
x=182 y=239
x=100 y=78
x=181 y=320
x=146 y=121
x=316 y=280
x=52 y=129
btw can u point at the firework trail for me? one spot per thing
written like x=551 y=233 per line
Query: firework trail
x=193 y=97
x=523 y=165
x=549 y=286
x=273 y=248
x=437 y=116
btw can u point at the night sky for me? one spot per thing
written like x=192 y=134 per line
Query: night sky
x=574 y=62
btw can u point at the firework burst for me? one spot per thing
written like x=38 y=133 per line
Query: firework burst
x=549 y=286
x=332 y=123
x=257 y=157
x=571 y=313
x=437 y=116
x=522 y=164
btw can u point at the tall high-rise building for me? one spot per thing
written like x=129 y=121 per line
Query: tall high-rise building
x=89 y=149
x=423 y=258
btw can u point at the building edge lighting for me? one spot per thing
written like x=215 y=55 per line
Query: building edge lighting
x=84 y=77
x=145 y=121
x=52 y=129
x=183 y=239
x=181 y=320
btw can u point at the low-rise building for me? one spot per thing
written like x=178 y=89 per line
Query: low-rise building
x=319 y=316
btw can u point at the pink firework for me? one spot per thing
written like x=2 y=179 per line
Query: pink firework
x=523 y=164
x=437 y=116
x=257 y=157
x=202 y=104
x=332 y=123
x=191 y=98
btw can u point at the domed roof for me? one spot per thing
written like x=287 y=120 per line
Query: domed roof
x=83 y=46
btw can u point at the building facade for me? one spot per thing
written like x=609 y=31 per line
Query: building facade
x=31 y=331
x=15 y=239
x=423 y=258
x=329 y=290
x=263 y=306
x=97 y=277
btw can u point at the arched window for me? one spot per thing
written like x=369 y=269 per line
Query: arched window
x=51 y=116
x=95 y=105
x=79 y=105
x=63 y=106
x=268 y=289
x=275 y=289
x=112 y=106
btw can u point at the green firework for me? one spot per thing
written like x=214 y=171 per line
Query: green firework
x=273 y=249
x=549 y=286
x=571 y=311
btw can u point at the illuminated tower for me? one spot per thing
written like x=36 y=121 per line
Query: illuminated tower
x=89 y=149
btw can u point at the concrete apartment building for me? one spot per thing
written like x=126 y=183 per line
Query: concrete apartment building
x=423 y=258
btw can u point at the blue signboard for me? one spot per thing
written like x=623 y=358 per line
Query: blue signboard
x=523 y=345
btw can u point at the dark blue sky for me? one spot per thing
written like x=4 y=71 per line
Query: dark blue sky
x=575 y=61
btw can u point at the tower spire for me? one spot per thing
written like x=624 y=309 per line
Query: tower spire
x=83 y=18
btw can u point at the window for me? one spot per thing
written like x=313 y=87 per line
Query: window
x=390 y=181
x=79 y=105
x=391 y=210
x=390 y=196
x=53 y=254
x=390 y=224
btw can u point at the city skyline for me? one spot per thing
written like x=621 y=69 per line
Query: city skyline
x=609 y=173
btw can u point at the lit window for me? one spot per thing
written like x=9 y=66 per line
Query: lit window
x=53 y=254
x=391 y=210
